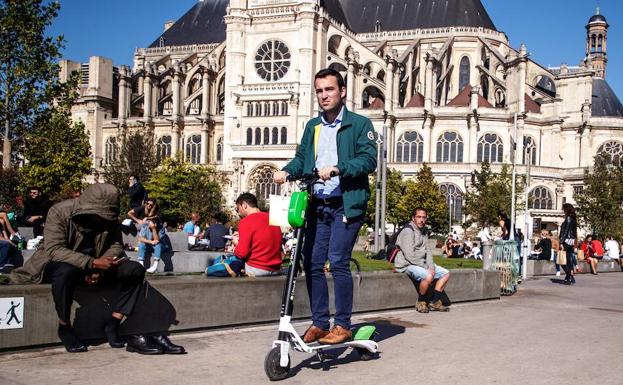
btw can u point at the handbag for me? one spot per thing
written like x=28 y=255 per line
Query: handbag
x=581 y=255
x=561 y=259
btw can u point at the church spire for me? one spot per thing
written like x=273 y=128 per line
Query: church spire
x=596 y=47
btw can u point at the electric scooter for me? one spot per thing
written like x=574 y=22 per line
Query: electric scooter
x=277 y=362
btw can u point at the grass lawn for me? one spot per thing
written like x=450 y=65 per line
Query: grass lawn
x=449 y=263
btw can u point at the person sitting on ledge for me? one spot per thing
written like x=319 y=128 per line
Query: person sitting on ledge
x=196 y=240
x=216 y=234
x=83 y=244
x=257 y=243
x=414 y=260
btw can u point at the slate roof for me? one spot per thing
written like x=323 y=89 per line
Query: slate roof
x=395 y=15
x=605 y=101
x=204 y=23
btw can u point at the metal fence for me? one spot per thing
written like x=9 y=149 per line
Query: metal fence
x=505 y=258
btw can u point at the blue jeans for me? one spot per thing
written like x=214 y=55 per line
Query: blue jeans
x=145 y=249
x=327 y=236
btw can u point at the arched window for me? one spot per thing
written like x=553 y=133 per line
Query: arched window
x=221 y=96
x=262 y=180
x=450 y=148
x=600 y=43
x=334 y=44
x=249 y=109
x=490 y=149
x=249 y=136
x=193 y=149
x=540 y=199
x=410 y=148
x=163 y=148
x=612 y=151
x=266 y=135
x=529 y=148
x=219 y=150
x=284 y=135
x=275 y=136
x=110 y=151
x=454 y=200
x=284 y=110
x=464 y=73
x=258 y=136
x=484 y=86
x=593 y=43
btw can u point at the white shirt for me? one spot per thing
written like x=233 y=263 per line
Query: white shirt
x=484 y=235
x=612 y=249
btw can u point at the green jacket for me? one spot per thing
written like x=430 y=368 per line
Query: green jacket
x=356 y=155
x=62 y=235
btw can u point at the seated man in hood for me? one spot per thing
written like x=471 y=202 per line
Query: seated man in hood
x=83 y=244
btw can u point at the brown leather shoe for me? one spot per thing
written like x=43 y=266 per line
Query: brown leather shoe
x=421 y=307
x=313 y=334
x=438 y=306
x=337 y=335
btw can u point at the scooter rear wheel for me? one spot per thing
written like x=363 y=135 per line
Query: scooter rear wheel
x=274 y=371
x=365 y=354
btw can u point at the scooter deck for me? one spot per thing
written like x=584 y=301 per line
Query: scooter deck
x=369 y=345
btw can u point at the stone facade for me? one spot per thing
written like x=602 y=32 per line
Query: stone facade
x=450 y=96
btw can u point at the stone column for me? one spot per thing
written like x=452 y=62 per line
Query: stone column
x=205 y=94
x=350 y=85
x=429 y=86
x=123 y=95
x=175 y=140
x=205 y=144
x=147 y=98
x=175 y=98
x=389 y=86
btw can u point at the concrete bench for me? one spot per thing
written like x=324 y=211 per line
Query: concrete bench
x=539 y=268
x=196 y=302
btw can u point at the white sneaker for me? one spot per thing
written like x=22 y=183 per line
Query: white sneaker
x=142 y=262
x=154 y=266
x=558 y=274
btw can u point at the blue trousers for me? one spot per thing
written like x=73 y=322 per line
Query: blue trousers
x=328 y=236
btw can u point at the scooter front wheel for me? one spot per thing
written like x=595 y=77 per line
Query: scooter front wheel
x=365 y=354
x=273 y=369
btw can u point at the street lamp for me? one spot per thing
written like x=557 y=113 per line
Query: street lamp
x=450 y=215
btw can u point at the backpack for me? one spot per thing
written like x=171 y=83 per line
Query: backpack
x=391 y=249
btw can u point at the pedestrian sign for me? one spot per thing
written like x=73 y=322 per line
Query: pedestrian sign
x=12 y=313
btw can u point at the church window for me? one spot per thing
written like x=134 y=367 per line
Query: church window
x=266 y=135
x=490 y=149
x=284 y=135
x=272 y=60
x=464 y=73
x=274 y=135
x=450 y=147
x=163 y=148
x=410 y=148
x=193 y=149
x=219 y=150
x=249 y=136
x=540 y=198
x=454 y=200
x=111 y=150
x=262 y=179
x=529 y=150
x=258 y=136
x=612 y=151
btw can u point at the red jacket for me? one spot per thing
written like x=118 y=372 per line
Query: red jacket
x=259 y=244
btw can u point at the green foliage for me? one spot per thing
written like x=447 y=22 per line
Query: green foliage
x=57 y=150
x=599 y=203
x=489 y=193
x=9 y=188
x=136 y=157
x=395 y=189
x=424 y=192
x=181 y=189
x=28 y=66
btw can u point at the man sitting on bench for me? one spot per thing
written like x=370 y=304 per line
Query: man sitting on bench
x=414 y=260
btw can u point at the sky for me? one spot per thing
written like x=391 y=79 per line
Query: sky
x=553 y=30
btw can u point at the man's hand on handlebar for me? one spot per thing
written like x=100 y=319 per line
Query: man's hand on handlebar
x=280 y=177
x=329 y=172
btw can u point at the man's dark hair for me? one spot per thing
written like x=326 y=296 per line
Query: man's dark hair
x=31 y=188
x=136 y=178
x=247 y=198
x=323 y=73
x=419 y=208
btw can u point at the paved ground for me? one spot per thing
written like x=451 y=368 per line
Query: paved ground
x=545 y=334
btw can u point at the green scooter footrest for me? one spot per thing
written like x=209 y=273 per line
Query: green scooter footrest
x=365 y=332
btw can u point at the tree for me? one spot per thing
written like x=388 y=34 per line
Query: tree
x=490 y=193
x=424 y=192
x=181 y=189
x=395 y=189
x=9 y=188
x=136 y=157
x=28 y=66
x=57 y=150
x=599 y=203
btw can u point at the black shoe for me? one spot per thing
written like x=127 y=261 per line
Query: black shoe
x=70 y=340
x=111 y=332
x=141 y=345
x=167 y=346
x=572 y=280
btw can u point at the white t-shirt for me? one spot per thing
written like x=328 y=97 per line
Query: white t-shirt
x=484 y=235
x=612 y=249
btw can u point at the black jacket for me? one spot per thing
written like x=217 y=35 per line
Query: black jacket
x=137 y=194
